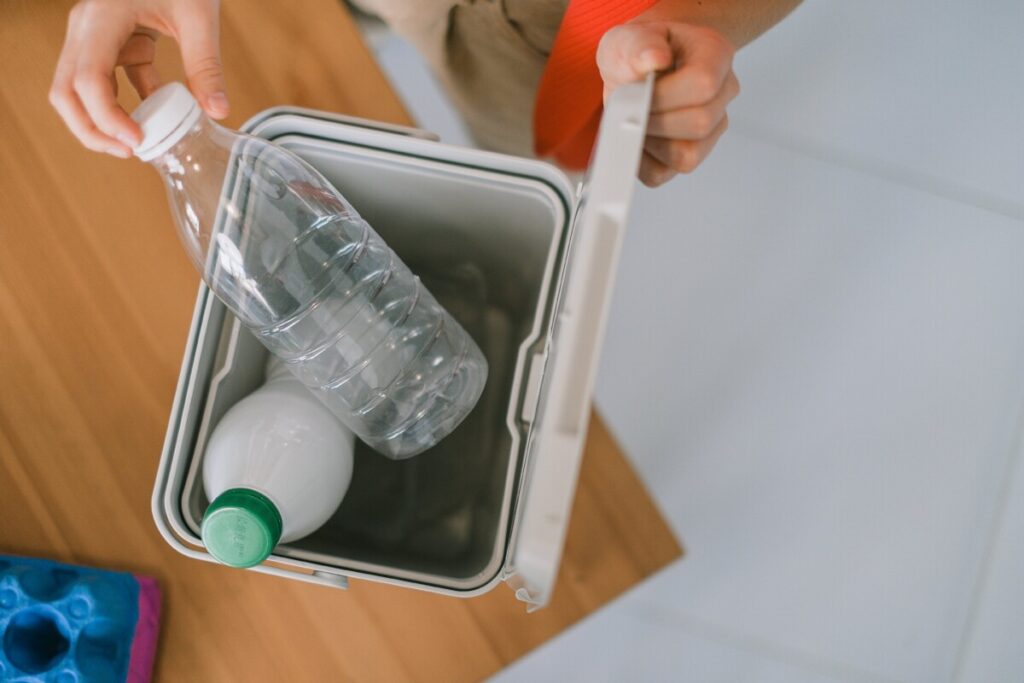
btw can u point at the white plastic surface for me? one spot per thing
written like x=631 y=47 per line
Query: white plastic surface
x=165 y=116
x=581 y=313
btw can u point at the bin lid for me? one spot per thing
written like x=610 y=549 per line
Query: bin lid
x=581 y=312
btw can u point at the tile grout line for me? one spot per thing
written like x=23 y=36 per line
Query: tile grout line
x=755 y=645
x=1012 y=473
x=900 y=175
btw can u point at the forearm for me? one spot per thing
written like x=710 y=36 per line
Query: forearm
x=739 y=20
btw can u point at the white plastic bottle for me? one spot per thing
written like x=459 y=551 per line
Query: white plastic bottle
x=276 y=468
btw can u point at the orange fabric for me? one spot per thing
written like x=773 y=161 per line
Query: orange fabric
x=569 y=100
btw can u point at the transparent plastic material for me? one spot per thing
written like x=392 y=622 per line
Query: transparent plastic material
x=291 y=258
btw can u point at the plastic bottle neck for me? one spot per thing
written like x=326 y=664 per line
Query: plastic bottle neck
x=194 y=171
x=198 y=145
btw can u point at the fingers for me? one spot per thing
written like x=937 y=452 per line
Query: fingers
x=83 y=90
x=144 y=78
x=198 y=35
x=704 y=57
x=629 y=52
x=688 y=107
x=102 y=32
x=137 y=57
x=95 y=90
x=695 y=123
x=683 y=156
x=140 y=48
x=67 y=104
x=654 y=173
x=102 y=35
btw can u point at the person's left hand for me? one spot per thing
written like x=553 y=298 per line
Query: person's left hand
x=688 y=109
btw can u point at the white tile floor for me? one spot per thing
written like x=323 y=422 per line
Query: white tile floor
x=836 y=306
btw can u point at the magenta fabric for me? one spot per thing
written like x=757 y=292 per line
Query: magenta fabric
x=147 y=631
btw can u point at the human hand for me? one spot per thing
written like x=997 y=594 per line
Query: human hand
x=688 y=108
x=105 y=34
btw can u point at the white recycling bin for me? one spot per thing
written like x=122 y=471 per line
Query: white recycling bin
x=526 y=264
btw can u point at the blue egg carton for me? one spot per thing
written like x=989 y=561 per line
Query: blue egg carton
x=65 y=624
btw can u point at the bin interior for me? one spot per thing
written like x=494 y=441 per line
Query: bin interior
x=488 y=245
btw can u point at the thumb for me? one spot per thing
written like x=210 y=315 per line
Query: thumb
x=199 y=36
x=629 y=52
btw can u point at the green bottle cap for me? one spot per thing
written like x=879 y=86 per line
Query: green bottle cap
x=241 y=527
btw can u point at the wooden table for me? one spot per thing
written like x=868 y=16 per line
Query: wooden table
x=95 y=301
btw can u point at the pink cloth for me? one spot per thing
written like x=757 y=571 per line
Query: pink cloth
x=147 y=630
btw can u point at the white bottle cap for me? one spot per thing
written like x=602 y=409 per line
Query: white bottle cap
x=165 y=116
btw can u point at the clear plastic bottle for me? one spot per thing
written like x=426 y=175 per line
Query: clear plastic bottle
x=292 y=259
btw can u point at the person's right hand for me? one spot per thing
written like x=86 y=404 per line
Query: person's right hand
x=105 y=34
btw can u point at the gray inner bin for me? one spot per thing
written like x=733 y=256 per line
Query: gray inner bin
x=487 y=245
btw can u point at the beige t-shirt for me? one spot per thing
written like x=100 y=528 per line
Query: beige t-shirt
x=487 y=54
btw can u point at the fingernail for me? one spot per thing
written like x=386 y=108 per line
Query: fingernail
x=651 y=59
x=119 y=152
x=127 y=140
x=217 y=103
